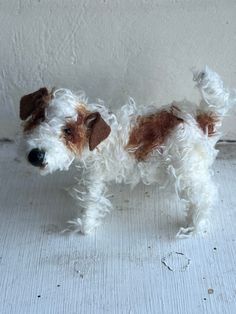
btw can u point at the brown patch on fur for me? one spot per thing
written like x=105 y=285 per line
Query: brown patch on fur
x=89 y=128
x=206 y=122
x=151 y=132
x=32 y=107
x=75 y=132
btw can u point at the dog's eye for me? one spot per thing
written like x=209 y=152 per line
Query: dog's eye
x=67 y=131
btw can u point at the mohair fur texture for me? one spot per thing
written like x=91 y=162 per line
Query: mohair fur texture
x=174 y=145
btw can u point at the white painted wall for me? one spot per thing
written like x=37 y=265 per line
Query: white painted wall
x=112 y=49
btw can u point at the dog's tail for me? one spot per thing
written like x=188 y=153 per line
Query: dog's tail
x=216 y=102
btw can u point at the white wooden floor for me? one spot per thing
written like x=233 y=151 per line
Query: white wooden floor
x=132 y=264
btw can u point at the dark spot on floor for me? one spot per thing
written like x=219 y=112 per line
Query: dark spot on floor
x=17 y=160
x=6 y=140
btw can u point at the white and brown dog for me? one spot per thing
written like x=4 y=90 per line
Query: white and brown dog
x=171 y=144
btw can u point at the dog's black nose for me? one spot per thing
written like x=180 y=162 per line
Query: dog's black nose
x=36 y=157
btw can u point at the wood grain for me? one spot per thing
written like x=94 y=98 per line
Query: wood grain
x=119 y=268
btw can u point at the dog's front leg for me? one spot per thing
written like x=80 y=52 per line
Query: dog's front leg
x=95 y=205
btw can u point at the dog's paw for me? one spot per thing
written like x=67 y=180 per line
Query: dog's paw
x=74 y=226
x=185 y=233
x=198 y=227
x=85 y=225
x=88 y=225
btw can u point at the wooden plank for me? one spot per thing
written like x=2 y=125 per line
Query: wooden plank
x=119 y=268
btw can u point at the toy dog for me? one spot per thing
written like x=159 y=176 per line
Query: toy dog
x=172 y=144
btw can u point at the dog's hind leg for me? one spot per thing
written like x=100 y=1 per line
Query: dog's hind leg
x=199 y=195
x=189 y=158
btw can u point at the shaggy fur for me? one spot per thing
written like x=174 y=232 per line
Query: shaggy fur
x=150 y=132
x=174 y=144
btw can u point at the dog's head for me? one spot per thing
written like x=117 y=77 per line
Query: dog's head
x=57 y=127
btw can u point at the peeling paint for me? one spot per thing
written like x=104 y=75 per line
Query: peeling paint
x=176 y=261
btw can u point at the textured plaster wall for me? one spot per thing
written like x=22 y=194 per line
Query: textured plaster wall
x=113 y=49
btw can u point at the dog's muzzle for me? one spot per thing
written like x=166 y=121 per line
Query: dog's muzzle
x=36 y=157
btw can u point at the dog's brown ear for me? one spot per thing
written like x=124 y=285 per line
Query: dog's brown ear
x=34 y=103
x=99 y=130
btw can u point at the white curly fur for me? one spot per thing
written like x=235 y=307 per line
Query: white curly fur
x=185 y=159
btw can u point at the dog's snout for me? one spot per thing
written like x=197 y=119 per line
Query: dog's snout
x=36 y=157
